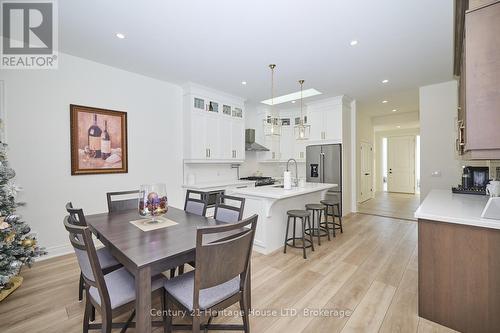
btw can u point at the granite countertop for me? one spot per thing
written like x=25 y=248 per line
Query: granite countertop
x=445 y=206
x=273 y=192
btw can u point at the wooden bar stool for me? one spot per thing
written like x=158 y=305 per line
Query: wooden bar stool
x=317 y=229
x=330 y=206
x=304 y=216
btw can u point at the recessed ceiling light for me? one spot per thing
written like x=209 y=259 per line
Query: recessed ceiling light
x=244 y=83
x=120 y=35
x=385 y=81
x=398 y=126
x=384 y=102
x=292 y=97
x=293 y=102
x=353 y=42
x=394 y=110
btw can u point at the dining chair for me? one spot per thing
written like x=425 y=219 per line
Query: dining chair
x=225 y=212
x=220 y=278
x=109 y=293
x=107 y=261
x=193 y=205
x=122 y=200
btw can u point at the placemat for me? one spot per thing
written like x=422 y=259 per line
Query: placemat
x=144 y=226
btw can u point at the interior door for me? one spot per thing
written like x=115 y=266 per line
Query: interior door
x=401 y=164
x=366 y=177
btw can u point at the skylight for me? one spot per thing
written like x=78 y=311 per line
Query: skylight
x=292 y=96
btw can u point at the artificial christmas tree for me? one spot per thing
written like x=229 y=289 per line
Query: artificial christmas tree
x=17 y=246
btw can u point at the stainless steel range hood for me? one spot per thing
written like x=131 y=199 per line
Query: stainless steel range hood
x=250 y=144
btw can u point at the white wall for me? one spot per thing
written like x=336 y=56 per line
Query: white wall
x=37 y=106
x=438 y=113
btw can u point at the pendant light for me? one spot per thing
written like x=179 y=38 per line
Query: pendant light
x=302 y=131
x=272 y=123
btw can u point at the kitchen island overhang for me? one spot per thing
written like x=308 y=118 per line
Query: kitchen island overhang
x=271 y=204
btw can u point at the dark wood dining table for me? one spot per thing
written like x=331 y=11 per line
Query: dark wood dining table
x=148 y=253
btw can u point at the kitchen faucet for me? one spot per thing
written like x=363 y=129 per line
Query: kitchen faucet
x=296 y=181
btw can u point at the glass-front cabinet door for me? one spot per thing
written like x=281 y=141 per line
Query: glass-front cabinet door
x=199 y=103
x=238 y=112
x=226 y=109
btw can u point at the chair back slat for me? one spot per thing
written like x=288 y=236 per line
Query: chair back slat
x=124 y=200
x=76 y=215
x=223 y=252
x=198 y=205
x=225 y=211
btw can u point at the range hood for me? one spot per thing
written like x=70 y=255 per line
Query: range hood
x=250 y=144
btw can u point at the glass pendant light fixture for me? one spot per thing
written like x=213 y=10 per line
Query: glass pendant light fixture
x=272 y=123
x=302 y=131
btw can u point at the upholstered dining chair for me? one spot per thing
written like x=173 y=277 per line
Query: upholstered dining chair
x=123 y=200
x=195 y=205
x=225 y=212
x=110 y=293
x=107 y=261
x=220 y=277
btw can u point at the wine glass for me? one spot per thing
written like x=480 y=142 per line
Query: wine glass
x=153 y=202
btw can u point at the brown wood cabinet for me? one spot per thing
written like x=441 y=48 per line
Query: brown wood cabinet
x=459 y=276
x=477 y=62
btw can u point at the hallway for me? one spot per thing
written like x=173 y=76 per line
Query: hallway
x=397 y=205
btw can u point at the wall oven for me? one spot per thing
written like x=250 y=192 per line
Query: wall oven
x=211 y=197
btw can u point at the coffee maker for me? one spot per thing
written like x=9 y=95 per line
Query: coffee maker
x=474 y=180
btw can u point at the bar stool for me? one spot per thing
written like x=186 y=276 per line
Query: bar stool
x=330 y=206
x=317 y=230
x=304 y=216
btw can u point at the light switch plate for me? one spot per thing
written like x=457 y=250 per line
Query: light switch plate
x=492 y=209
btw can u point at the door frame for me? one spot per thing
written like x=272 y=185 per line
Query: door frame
x=361 y=172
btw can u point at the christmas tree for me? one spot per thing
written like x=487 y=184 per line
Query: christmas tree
x=17 y=246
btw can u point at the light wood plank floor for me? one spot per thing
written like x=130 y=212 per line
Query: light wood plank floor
x=397 y=205
x=364 y=280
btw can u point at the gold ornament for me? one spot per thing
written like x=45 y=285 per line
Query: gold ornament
x=28 y=242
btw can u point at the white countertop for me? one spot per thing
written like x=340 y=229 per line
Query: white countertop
x=273 y=192
x=205 y=185
x=442 y=205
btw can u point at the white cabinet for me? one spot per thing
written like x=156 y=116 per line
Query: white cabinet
x=225 y=145
x=287 y=143
x=214 y=127
x=325 y=119
x=237 y=140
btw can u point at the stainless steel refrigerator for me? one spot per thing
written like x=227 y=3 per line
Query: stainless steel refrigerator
x=324 y=165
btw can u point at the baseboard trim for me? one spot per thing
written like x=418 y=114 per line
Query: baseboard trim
x=56 y=251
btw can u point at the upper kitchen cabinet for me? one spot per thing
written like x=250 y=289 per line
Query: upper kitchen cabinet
x=325 y=118
x=214 y=126
x=477 y=61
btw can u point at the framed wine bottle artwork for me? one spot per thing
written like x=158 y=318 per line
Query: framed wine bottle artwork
x=98 y=140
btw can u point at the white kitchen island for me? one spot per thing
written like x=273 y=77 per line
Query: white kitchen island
x=271 y=204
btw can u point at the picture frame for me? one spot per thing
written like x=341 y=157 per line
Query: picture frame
x=98 y=141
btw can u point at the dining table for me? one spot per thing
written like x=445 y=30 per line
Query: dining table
x=148 y=253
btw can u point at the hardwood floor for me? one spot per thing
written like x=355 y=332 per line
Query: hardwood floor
x=397 y=205
x=365 y=280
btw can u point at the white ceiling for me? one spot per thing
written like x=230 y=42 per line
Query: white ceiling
x=221 y=43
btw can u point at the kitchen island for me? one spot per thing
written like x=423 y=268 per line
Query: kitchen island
x=271 y=204
x=458 y=262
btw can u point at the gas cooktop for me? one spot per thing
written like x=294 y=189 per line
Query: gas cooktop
x=260 y=181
